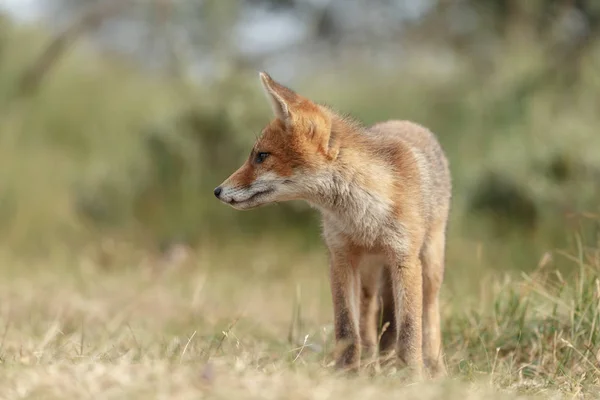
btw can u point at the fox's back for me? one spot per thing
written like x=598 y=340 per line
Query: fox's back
x=421 y=145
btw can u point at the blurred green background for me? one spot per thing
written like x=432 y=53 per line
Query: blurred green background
x=117 y=119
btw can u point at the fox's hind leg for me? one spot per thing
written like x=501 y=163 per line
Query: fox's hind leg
x=369 y=298
x=386 y=319
x=432 y=258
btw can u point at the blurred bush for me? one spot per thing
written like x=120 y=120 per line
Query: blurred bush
x=105 y=148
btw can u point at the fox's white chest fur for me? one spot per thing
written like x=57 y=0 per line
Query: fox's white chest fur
x=352 y=212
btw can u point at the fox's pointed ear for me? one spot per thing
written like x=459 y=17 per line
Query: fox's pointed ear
x=278 y=96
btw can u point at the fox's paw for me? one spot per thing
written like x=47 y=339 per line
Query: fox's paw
x=347 y=356
x=436 y=369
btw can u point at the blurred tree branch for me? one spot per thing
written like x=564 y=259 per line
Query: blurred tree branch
x=91 y=18
x=164 y=10
x=187 y=37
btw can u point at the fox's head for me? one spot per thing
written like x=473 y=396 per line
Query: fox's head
x=291 y=150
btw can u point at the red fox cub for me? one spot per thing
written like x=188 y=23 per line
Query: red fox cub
x=384 y=194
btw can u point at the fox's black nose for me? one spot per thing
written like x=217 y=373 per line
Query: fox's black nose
x=218 y=191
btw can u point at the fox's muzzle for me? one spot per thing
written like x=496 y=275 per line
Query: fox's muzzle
x=244 y=197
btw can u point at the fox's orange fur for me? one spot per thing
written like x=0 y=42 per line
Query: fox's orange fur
x=384 y=194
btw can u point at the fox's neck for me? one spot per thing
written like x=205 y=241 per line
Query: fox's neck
x=352 y=191
x=349 y=207
x=347 y=176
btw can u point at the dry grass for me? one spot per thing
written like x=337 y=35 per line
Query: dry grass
x=218 y=324
x=254 y=320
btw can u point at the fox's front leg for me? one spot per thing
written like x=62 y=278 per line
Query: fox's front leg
x=345 y=291
x=407 y=285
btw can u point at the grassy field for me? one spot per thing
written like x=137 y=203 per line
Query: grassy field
x=122 y=277
x=254 y=321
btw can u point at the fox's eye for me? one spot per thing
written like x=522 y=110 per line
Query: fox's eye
x=260 y=157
